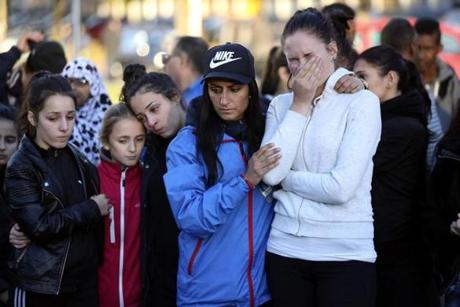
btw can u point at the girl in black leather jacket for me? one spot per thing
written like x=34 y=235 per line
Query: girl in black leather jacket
x=51 y=193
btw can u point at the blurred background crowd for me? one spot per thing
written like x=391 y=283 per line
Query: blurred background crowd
x=113 y=33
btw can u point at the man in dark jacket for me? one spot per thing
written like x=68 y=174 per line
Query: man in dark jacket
x=9 y=58
x=444 y=202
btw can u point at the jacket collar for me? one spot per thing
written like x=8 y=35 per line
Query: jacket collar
x=410 y=104
x=444 y=71
x=50 y=182
x=35 y=152
x=114 y=169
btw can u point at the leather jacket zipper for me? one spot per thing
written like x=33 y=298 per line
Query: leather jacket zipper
x=21 y=256
x=61 y=274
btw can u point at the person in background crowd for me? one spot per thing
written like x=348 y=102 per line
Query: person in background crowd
x=342 y=18
x=9 y=140
x=345 y=15
x=51 y=193
x=92 y=102
x=439 y=78
x=119 y=276
x=9 y=58
x=320 y=249
x=398 y=177
x=214 y=169
x=444 y=227
x=156 y=101
x=184 y=65
x=44 y=56
x=276 y=76
x=399 y=34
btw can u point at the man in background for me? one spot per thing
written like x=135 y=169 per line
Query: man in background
x=439 y=78
x=184 y=65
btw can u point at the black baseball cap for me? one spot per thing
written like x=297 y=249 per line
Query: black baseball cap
x=229 y=61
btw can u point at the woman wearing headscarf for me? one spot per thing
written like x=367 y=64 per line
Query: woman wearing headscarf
x=92 y=102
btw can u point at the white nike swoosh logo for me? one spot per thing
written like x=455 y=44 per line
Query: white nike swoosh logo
x=213 y=64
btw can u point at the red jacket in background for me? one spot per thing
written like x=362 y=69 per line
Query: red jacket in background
x=120 y=273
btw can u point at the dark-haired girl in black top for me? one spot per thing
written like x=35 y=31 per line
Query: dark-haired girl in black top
x=51 y=192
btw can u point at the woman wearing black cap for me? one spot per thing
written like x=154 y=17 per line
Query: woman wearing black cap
x=213 y=173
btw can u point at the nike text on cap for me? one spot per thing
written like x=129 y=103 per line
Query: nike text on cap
x=229 y=61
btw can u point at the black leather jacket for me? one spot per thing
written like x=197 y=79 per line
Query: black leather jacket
x=35 y=199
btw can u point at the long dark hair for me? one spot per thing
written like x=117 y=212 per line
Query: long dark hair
x=42 y=85
x=386 y=58
x=211 y=127
x=339 y=14
x=312 y=21
x=138 y=81
x=276 y=59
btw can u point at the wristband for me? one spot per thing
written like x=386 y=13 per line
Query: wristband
x=248 y=183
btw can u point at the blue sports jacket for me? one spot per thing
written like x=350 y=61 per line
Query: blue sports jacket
x=223 y=229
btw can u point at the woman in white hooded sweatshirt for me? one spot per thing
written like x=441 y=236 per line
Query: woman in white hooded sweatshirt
x=320 y=249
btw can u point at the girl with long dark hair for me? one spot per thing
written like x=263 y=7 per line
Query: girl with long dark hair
x=212 y=183
x=398 y=177
x=51 y=190
x=156 y=101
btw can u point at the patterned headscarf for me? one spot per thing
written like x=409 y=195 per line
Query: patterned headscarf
x=85 y=134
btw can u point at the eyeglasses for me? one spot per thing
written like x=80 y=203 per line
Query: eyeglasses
x=78 y=81
x=166 y=57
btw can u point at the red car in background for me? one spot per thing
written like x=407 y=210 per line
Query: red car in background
x=368 y=35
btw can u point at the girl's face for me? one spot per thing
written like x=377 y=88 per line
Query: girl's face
x=54 y=123
x=301 y=45
x=159 y=115
x=229 y=99
x=378 y=84
x=126 y=141
x=8 y=140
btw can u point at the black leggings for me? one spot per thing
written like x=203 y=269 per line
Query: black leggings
x=302 y=283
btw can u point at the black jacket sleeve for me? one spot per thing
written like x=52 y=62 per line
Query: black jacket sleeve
x=24 y=197
x=7 y=61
